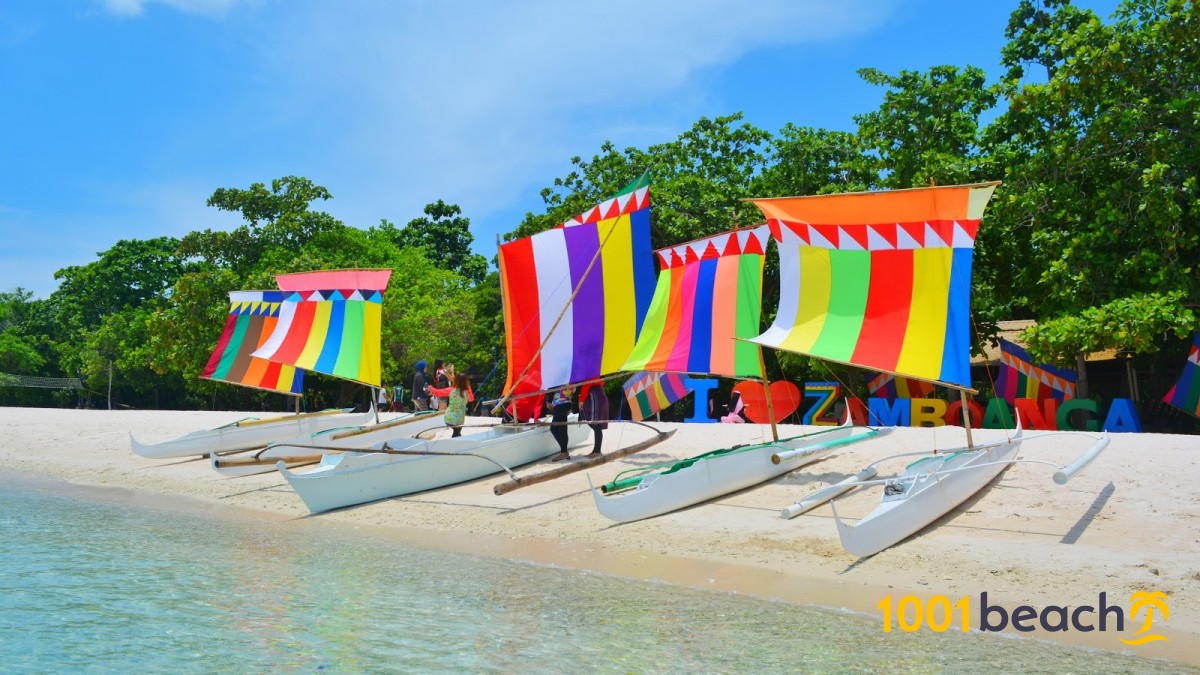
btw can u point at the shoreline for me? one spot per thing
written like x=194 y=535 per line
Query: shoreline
x=1018 y=540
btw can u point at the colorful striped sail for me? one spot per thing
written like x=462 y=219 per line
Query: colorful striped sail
x=252 y=318
x=330 y=323
x=1185 y=394
x=648 y=393
x=709 y=293
x=886 y=385
x=880 y=280
x=603 y=258
x=1021 y=378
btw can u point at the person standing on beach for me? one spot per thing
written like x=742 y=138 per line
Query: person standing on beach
x=593 y=407
x=456 y=409
x=440 y=381
x=560 y=407
x=420 y=389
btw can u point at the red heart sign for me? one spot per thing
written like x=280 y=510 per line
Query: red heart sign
x=785 y=398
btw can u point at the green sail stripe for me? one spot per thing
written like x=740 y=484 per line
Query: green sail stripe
x=851 y=277
x=350 y=355
x=749 y=313
x=232 y=348
x=653 y=326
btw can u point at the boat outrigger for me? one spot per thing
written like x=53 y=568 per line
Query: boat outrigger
x=929 y=488
x=646 y=492
x=247 y=434
x=307 y=449
x=882 y=280
x=408 y=465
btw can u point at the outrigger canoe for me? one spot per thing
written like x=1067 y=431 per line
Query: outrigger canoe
x=407 y=465
x=308 y=449
x=663 y=488
x=248 y=434
x=928 y=489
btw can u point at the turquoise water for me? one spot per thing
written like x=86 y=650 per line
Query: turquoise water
x=101 y=586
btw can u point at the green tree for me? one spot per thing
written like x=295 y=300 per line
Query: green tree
x=809 y=161
x=697 y=181
x=927 y=128
x=444 y=234
x=278 y=217
x=130 y=273
x=1103 y=172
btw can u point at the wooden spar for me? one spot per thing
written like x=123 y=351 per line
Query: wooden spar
x=554 y=327
x=576 y=466
x=966 y=415
x=376 y=427
x=270 y=420
x=762 y=364
x=292 y=461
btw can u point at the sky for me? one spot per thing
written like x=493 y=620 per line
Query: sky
x=121 y=117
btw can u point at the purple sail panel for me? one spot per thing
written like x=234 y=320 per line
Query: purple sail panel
x=583 y=245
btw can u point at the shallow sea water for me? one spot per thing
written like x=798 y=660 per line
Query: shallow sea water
x=101 y=586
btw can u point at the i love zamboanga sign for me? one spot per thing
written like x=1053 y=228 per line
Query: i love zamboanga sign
x=818 y=403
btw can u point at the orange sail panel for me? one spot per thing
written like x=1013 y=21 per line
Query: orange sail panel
x=252 y=318
x=880 y=280
x=330 y=322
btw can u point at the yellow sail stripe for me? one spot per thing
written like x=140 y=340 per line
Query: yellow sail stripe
x=813 y=305
x=924 y=339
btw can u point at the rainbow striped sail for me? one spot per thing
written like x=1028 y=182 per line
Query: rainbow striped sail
x=886 y=385
x=649 y=393
x=880 y=280
x=252 y=317
x=604 y=258
x=709 y=293
x=1020 y=378
x=1185 y=394
x=330 y=323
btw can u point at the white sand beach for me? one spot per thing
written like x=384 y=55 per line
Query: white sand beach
x=1129 y=522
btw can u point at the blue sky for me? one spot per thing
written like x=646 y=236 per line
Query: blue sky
x=123 y=116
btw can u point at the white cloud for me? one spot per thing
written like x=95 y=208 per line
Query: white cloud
x=472 y=102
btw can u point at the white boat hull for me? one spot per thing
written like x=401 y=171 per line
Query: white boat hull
x=293 y=448
x=928 y=494
x=709 y=478
x=256 y=435
x=350 y=478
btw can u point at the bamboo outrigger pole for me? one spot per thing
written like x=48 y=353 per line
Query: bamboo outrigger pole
x=575 y=466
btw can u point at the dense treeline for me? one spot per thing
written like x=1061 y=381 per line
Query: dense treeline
x=1094 y=233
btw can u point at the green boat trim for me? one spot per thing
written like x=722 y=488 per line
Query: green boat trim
x=937 y=457
x=623 y=482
